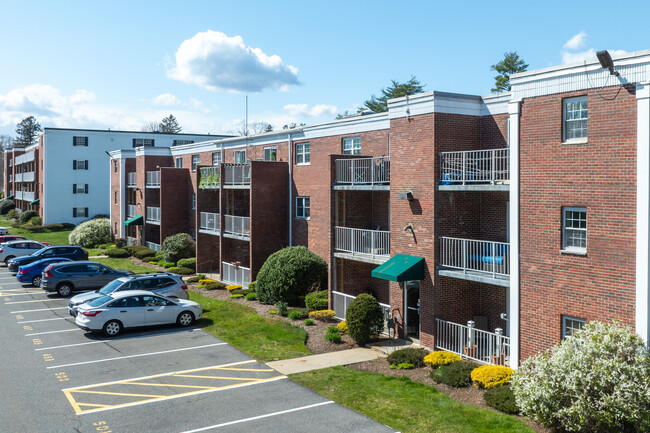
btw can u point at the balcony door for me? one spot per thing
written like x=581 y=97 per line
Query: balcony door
x=412 y=316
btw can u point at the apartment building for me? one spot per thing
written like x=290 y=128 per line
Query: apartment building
x=490 y=226
x=64 y=177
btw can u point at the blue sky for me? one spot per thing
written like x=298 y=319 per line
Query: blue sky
x=122 y=64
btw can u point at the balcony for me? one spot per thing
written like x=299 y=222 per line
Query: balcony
x=25 y=177
x=482 y=261
x=25 y=195
x=130 y=211
x=237 y=227
x=237 y=175
x=475 y=170
x=130 y=180
x=155 y=247
x=209 y=223
x=371 y=246
x=210 y=178
x=363 y=173
x=469 y=342
x=235 y=274
x=153 y=215
x=153 y=179
x=25 y=157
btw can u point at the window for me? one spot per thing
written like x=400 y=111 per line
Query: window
x=115 y=197
x=574 y=229
x=302 y=207
x=80 y=164
x=115 y=166
x=140 y=142
x=178 y=162
x=302 y=153
x=270 y=153
x=181 y=142
x=81 y=188
x=352 y=146
x=79 y=212
x=195 y=161
x=80 y=141
x=240 y=156
x=115 y=232
x=575 y=119
x=216 y=158
x=193 y=201
x=571 y=325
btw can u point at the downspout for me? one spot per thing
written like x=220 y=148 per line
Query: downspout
x=290 y=192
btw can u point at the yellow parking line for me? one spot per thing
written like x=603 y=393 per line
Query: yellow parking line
x=245 y=369
x=119 y=393
x=217 y=377
x=169 y=384
x=93 y=405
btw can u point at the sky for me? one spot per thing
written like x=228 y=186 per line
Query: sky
x=123 y=64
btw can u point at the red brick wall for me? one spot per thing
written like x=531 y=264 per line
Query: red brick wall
x=208 y=257
x=174 y=202
x=599 y=176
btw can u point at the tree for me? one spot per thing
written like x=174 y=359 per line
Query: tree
x=293 y=125
x=510 y=64
x=150 y=127
x=27 y=131
x=253 y=128
x=395 y=90
x=169 y=125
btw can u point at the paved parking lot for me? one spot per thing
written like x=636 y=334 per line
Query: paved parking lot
x=55 y=377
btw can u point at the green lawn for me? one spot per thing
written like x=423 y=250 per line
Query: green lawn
x=262 y=338
x=55 y=238
x=126 y=264
x=404 y=405
x=92 y=252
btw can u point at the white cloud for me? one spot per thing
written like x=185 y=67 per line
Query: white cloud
x=578 y=41
x=315 y=111
x=217 y=62
x=166 y=100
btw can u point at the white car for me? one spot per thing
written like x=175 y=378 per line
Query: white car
x=4 y=231
x=21 y=248
x=112 y=313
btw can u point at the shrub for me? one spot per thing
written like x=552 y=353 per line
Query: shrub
x=13 y=214
x=324 y=315
x=289 y=274
x=241 y=291
x=410 y=355
x=165 y=264
x=142 y=252
x=6 y=206
x=317 y=300
x=187 y=263
x=501 y=398
x=232 y=287
x=364 y=318
x=101 y=216
x=117 y=252
x=597 y=380
x=90 y=233
x=56 y=227
x=238 y=295
x=153 y=262
x=197 y=279
x=251 y=296
x=181 y=270
x=206 y=281
x=309 y=322
x=178 y=246
x=252 y=285
x=440 y=357
x=150 y=259
x=282 y=308
x=214 y=286
x=26 y=216
x=343 y=327
x=36 y=221
x=404 y=366
x=333 y=335
x=120 y=242
x=159 y=255
x=16 y=225
x=273 y=312
x=295 y=315
x=457 y=374
x=491 y=376
x=31 y=228
x=67 y=226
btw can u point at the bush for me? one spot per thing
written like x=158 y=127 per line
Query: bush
x=165 y=264
x=117 y=253
x=187 y=263
x=251 y=296
x=178 y=246
x=309 y=322
x=101 y=216
x=457 y=374
x=238 y=295
x=120 y=242
x=215 y=286
x=324 y=315
x=409 y=355
x=317 y=300
x=141 y=252
x=196 y=279
x=31 y=228
x=289 y=274
x=181 y=270
x=206 y=281
x=491 y=376
x=6 y=206
x=90 y=233
x=333 y=335
x=440 y=357
x=501 y=398
x=364 y=318
x=282 y=308
x=13 y=214
x=404 y=366
x=150 y=259
x=26 y=216
x=343 y=327
x=251 y=285
x=36 y=221
x=68 y=226
x=232 y=287
x=597 y=380
x=159 y=256
x=295 y=315
x=241 y=291
x=16 y=225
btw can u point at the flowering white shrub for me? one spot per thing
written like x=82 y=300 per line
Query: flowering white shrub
x=597 y=380
x=91 y=233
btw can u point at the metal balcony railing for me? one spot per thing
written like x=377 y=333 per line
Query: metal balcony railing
x=475 y=256
x=363 y=171
x=153 y=215
x=130 y=210
x=237 y=174
x=469 y=342
x=131 y=241
x=235 y=274
x=236 y=225
x=130 y=180
x=373 y=243
x=153 y=179
x=475 y=167
x=341 y=301
x=155 y=247
x=209 y=222
x=210 y=177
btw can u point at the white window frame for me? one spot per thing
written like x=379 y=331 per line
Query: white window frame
x=178 y=162
x=238 y=158
x=196 y=160
x=565 y=229
x=217 y=160
x=352 y=146
x=565 y=120
x=270 y=151
x=303 y=153
x=568 y=320
x=304 y=204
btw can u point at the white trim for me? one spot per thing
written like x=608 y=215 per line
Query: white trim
x=513 y=298
x=642 y=305
x=573 y=248
x=577 y=140
x=303 y=207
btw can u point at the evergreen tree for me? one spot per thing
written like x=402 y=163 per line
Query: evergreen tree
x=510 y=64
x=27 y=131
x=169 y=125
x=395 y=90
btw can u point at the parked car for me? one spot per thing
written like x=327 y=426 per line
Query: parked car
x=9 y=238
x=166 y=284
x=4 y=231
x=21 y=248
x=64 y=278
x=62 y=251
x=31 y=273
x=112 y=313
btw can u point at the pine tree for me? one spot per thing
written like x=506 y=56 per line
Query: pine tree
x=510 y=64
x=27 y=132
x=395 y=90
x=169 y=125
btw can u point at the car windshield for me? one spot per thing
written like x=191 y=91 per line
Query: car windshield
x=99 y=301
x=38 y=253
x=110 y=287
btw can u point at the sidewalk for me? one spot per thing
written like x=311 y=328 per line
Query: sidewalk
x=324 y=360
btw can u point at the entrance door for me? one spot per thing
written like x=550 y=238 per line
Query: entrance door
x=412 y=302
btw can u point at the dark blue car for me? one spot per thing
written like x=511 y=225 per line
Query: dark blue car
x=31 y=273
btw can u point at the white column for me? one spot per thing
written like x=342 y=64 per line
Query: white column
x=513 y=294
x=642 y=209
x=122 y=196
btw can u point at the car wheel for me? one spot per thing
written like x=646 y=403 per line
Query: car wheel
x=64 y=290
x=186 y=318
x=112 y=328
x=7 y=260
x=36 y=281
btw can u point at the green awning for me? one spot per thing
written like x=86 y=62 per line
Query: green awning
x=401 y=267
x=11 y=197
x=135 y=221
x=37 y=201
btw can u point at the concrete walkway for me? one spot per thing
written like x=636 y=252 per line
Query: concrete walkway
x=324 y=360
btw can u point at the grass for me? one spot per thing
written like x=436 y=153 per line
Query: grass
x=92 y=252
x=126 y=264
x=404 y=405
x=263 y=339
x=55 y=238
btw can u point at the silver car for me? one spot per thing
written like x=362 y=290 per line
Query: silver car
x=166 y=284
x=66 y=277
x=21 y=248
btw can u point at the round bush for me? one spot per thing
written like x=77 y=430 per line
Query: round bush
x=457 y=374
x=251 y=297
x=6 y=206
x=597 y=380
x=333 y=335
x=317 y=300
x=181 y=271
x=295 y=315
x=36 y=221
x=91 y=233
x=251 y=285
x=187 y=263
x=120 y=242
x=501 y=398
x=214 y=286
x=117 y=253
x=26 y=216
x=309 y=322
x=140 y=251
x=441 y=357
x=31 y=228
x=178 y=246
x=13 y=214
x=289 y=274
x=491 y=376
x=410 y=355
x=343 y=327
x=364 y=318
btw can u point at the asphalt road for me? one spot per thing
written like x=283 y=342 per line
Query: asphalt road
x=54 y=377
